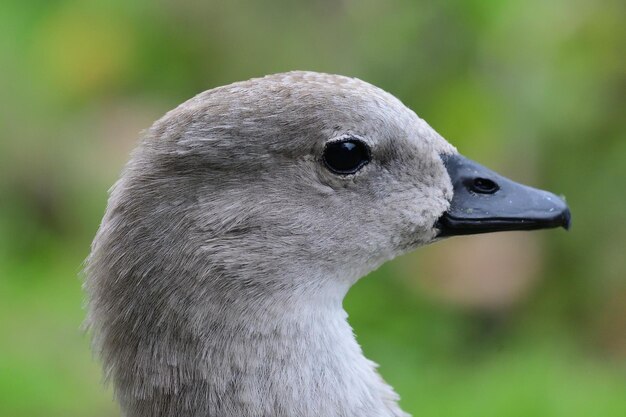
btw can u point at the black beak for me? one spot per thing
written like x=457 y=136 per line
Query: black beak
x=484 y=201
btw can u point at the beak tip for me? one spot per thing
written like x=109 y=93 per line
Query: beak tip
x=566 y=219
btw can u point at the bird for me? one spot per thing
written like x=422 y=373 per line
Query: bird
x=215 y=281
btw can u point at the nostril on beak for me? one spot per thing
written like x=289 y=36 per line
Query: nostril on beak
x=482 y=185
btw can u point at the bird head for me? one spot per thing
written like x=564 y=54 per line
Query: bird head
x=301 y=174
x=241 y=220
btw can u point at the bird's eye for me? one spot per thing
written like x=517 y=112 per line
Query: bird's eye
x=346 y=156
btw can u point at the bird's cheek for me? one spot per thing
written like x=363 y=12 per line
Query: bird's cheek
x=413 y=225
x=426 y=214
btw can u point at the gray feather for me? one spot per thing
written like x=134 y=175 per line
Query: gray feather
x=216 y=279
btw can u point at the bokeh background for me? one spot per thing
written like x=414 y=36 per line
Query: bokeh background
x=511 y=324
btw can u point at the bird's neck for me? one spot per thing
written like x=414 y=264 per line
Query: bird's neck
x=277 y=356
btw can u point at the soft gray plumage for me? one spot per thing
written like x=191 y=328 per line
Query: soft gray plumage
x=216 y=280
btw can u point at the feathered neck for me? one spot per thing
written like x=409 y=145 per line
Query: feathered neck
x=194 y=319
x=229 y=356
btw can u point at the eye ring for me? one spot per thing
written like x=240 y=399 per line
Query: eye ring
x=346 y=156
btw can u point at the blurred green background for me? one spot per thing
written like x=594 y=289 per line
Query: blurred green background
x=511 y=324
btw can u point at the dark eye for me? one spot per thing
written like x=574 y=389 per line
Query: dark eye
x=346 y=156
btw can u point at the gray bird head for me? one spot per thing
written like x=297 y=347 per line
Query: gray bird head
x=253 y=200
x=300 y=174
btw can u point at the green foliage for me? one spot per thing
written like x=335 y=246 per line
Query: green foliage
x=532 y=88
